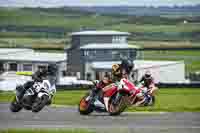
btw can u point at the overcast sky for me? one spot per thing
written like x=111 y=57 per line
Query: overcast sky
x=56 y=3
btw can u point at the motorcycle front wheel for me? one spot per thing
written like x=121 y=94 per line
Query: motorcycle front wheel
x=15 y=106
x=114 y=109
x=84 y=106
x=39 y=103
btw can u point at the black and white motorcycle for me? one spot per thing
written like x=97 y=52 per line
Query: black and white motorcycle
x=35 y=98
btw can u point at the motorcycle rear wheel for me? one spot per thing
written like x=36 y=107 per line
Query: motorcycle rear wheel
x=84 y=107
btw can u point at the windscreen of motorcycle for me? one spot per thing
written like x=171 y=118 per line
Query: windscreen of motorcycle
x=29 y=92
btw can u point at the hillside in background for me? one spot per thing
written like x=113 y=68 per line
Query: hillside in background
x=58 y=22
x=150 y=27
x=175 y=11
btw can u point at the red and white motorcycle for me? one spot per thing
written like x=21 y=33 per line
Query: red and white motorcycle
x=113 y=100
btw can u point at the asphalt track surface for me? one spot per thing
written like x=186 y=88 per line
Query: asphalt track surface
x=68 y=117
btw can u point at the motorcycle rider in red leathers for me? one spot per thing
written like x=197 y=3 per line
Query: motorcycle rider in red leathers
x=104 y=82
x=121 y=73
x=97 y=91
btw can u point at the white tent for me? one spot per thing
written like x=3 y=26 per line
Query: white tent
x=162 y=71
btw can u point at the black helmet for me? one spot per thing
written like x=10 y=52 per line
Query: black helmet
x=52 y=69
x=42 y=70
x=147 y=75
x=127 y=65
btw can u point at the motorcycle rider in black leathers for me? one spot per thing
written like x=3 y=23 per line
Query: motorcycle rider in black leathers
x=41 y=74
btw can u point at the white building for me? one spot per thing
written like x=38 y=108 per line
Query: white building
x=92 y=54
x=88 y=47
x=162 y=71
x=15 y=60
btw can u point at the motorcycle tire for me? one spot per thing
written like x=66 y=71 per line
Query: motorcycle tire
x=39 y=103
x=122 y=107
x=15 y=106
x=84 y=107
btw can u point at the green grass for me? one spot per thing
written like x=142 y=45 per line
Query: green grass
x=35 y=35
x=42 y=18
x=35 y=43
x=45 y=131
x=173 y=52
x=172 y=100
x=193 y=66
x=150 y=32
x=167 y=44
x=6 y=96
x=68 y=97
x=143 y=28
x=27 y=23
x=69 y=20
x=31 y=41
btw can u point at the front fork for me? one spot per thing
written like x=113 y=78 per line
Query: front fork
x=106 y=100
x=114 y=102
x=20 y=91
x=117 y=99
x=90 y=96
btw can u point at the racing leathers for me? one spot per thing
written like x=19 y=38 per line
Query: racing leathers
x=135 y=93
x=148 y=88
x=148 y=83
x=38 y=76
x=97 y=90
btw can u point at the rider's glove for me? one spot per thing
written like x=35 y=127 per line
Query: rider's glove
x=121 y=86
x=37 y=88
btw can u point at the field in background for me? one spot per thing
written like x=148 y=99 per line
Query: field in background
x=164 y=44
x=59 y=22
x=34 y=43
x=172 y=100
x=48 y=29
x=45 y=131
x=56 y=18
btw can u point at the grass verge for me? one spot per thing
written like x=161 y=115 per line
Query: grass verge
x=169 y=100
x=174 y=100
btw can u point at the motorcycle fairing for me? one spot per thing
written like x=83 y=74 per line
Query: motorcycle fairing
x=109 y=90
